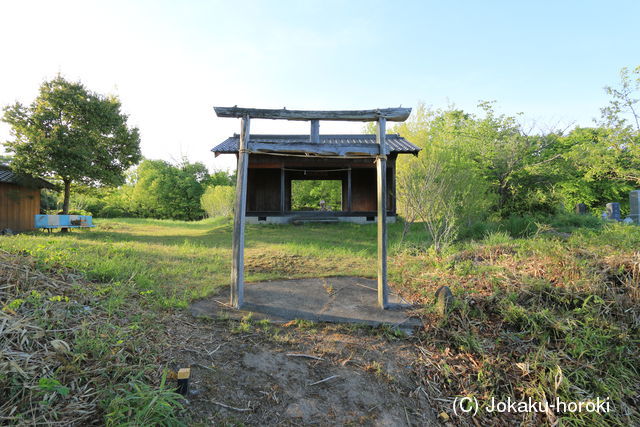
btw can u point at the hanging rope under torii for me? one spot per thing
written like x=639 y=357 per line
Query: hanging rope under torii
x=316 y=170
x=312 y=148
x=311 y=155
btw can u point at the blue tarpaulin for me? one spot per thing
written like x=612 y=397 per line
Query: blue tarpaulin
x=63 y=221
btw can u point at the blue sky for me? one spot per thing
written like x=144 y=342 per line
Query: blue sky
x=171 y=62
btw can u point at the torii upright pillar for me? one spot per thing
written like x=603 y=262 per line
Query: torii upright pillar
x=381 y=166
x=237 y=267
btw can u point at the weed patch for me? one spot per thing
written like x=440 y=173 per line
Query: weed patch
x=64 y=357
x=562 y=323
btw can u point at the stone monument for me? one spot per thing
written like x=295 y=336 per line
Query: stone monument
x=613 y=211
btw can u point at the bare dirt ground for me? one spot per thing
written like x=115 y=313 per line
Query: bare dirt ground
x=257 y=373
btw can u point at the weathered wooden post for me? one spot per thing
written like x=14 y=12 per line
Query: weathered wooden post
x=349 y=190
x=381 y=160
x=237 y=268
x=283 y=205
x=314 y=135
x=634 y=204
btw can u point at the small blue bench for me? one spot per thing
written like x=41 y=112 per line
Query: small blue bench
x=63 y=221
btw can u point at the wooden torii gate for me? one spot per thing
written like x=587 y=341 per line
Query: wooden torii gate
x=381 y=116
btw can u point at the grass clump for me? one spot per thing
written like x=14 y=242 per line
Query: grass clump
x=563 y=322
x=139 y=404
x=64 y=358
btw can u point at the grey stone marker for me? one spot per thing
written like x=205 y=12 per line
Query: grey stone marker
x=444 y=300
x=581 y=209
x=613 y=211
x=634 y=203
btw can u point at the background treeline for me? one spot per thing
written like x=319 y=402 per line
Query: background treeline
x=154 y=189
x=478 y=171
x=498 y=167
x=475 y=170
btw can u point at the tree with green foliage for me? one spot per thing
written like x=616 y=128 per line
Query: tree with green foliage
x=445 y=187
x=162 y=190
x=506 y=170
x=623 y=113
x=314 y=195
x=622 y=120
x=218 y=200
x=602 y=164
x=446 y=137
x=72 y=134
x=502 y=150
x=595 y=169
x=155 y=189
x=222 y=178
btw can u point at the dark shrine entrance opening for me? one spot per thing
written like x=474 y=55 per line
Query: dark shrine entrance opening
x=322 y=195
x=287 y=187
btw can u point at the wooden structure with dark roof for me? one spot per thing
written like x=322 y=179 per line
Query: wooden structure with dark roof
x=267 y=165
x=19 y=199
x=277 y=160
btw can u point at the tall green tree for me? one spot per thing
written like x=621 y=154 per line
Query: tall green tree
x=490 y=157
x=162 y=190
x=623 y=111
x=72 y=134
x=445 y=187
x=595 y=168
x=602 y=164
x=450 y=149
x=621 y=118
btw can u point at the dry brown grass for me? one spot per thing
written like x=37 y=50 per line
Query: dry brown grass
x=61 y=356
x=538 y=318
x=35 y=321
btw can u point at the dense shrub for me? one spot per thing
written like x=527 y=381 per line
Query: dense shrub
x=217 y=200
x=113 y=212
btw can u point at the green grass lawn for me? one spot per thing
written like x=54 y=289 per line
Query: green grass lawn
x=550 y=315
x=180 y=261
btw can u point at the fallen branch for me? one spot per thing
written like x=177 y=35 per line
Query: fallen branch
x=200 y=365
x=325 y=380
x=231 y=407
x=223 y=303
x=217 y=348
